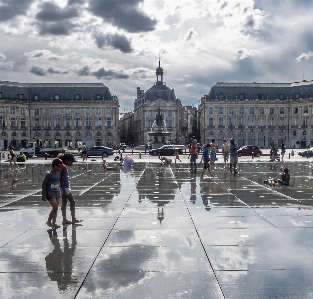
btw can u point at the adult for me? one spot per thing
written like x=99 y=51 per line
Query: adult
x=206 y=160
x=233 y=151
x=283 y=150
x=213 y=154
x=193 y=155
x=225 y=152
x=12 y=157
x=83 y=148
x=274 y=148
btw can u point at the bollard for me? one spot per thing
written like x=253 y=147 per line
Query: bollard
x=123 y=150
x=140 y=155
x=289 y=155
x=121 y=155
x=145 y=151
x=132 y=151
x=46 y=156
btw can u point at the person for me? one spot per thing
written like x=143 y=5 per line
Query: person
x=206 y=160
x=166 y=161
x=233 y=150
x=273 y=149
x=225 y=152
x=66 y=191
x=12 y=157
x=21 y=157
x=283 y=150
x=285 y=177
x=193 y=155
x=176 y=155
x=105 y=166
x=51 y=191
x=128 y=161
x=83 y=148
x=213 y=154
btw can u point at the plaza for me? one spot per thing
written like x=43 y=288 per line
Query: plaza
x=153 y=231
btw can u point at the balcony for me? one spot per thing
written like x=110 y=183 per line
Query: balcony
x=78 y=127
x=13 y=127
x=57 y=127
x=67 y=128
x=47 y=128
x=98 y=127
x=109 y=127
x=88 y=127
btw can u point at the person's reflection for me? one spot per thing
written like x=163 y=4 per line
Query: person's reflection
x=128 y=169
x=59 y=263
x=14 y=179
x=193 y=187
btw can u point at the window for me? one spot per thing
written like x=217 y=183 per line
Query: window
x=282 y=110
x=88 y=122
x=23 y=122
x=241 y=97
x=231 y=110
x=36 y=122
x=12 y=110
x=297 y=95
x=150 y=123
x=294 y=133
x=305 y=121
x=57 y=111
x=57 y=122
x=98 y=122
x=68 y=122
x=231 y=121
x=109 y=124
x=261 y=121
x=241 y=110
x=221 y=121
x=1 y=95
x=169 y=123
x=56 y=97
x=2 y=121
x=211 y=123
x=36 y=97
x=149 y=113
x=261 y=96
x=251 y=121
x=67 y=111
x=294 y=121
x=271 y=110
x=251 y=110
x=220 y=96
x=169 y=113
x=77 y=96
x=20 y=96
x=47 y=111
x=77 y=111
x=241 y=123
x=281 y=96
x=36 y=111
x=210 y=110
x=87 y=111
x=22 y=111
x=98 y=96
x=78 y=122
x=295 y=110
x=272 y=121
x=1 y=110
x=305 y=109
x=108 y=110
x=261 y=110
x=13 y=122
x=281 y=121
x=47 y=122
x=98 y=111
x=221 y=110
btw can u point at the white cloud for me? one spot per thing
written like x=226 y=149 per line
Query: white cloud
x=304 y=56
x=4 y=63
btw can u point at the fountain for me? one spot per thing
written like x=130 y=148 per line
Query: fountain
x=158 y=130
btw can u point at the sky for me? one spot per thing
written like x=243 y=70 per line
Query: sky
x=119 y=42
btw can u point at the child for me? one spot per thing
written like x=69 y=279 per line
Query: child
x=206 y=161
x=166 y=161
x=51 y=191
x=68 y=160
x=12 y=157
x=176 y=155
x=285 y=177
x=105 y=166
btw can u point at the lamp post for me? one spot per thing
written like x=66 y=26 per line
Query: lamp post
x=29 y=124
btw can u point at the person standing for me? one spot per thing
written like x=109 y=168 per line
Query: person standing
x=193 y=155
x=12 y=157
x=274 y=148
x=213 y=154
x=51 y=191
x=176 y=155
x=233 y=149
x=83 y=148
x=283 y=150
x=225 y=152
x=206 y=161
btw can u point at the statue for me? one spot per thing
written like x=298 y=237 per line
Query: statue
x=159 y=118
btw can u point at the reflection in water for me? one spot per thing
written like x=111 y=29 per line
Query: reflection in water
x=193 y=187
x=59 y=263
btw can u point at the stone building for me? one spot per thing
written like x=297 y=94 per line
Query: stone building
x=160 y=101
x=59 y=114
x=254 y=113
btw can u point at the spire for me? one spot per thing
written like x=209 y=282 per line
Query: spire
x=159 y=73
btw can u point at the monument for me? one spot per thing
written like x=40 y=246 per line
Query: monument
x=158 y=132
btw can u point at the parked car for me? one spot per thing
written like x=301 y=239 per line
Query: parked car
x=165 y=150
x=249 y=150
x=307 y=153
x=101 y=151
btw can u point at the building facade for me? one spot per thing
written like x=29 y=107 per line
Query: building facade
x=254 y=113
x=60 y=114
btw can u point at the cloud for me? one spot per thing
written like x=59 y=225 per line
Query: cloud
x=13 y=8
x=4 y=63
x=124 y=14
x=115 y=41
x=244 y=53
x=190 y=34
x=102 y=73
x=47 y=55
x=39 y=71
x=52 y=13
x=304 y=56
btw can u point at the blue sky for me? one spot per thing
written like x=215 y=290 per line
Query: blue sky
x=118 y=42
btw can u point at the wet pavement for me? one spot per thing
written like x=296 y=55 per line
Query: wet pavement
x=154 y=231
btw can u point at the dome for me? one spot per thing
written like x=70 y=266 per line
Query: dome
x=159 y=70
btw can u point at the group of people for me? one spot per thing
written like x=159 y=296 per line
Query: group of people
x=274 y=150
x=209 y=156
x=56 y=184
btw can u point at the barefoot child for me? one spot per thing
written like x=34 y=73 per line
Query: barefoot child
x=51 y=191
x=104 y=166
x=12 y=157
x=176 y=155
x=66 y=191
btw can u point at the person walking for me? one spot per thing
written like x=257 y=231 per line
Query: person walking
x=225 y=152
x=176 y=156
x=206 y=161
x=193 y=155
x=213 y=154
x=233 y=149
x=12 y=157
x=67 y=195
x=283 y=150
x=83 y=148
x=51 y=191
